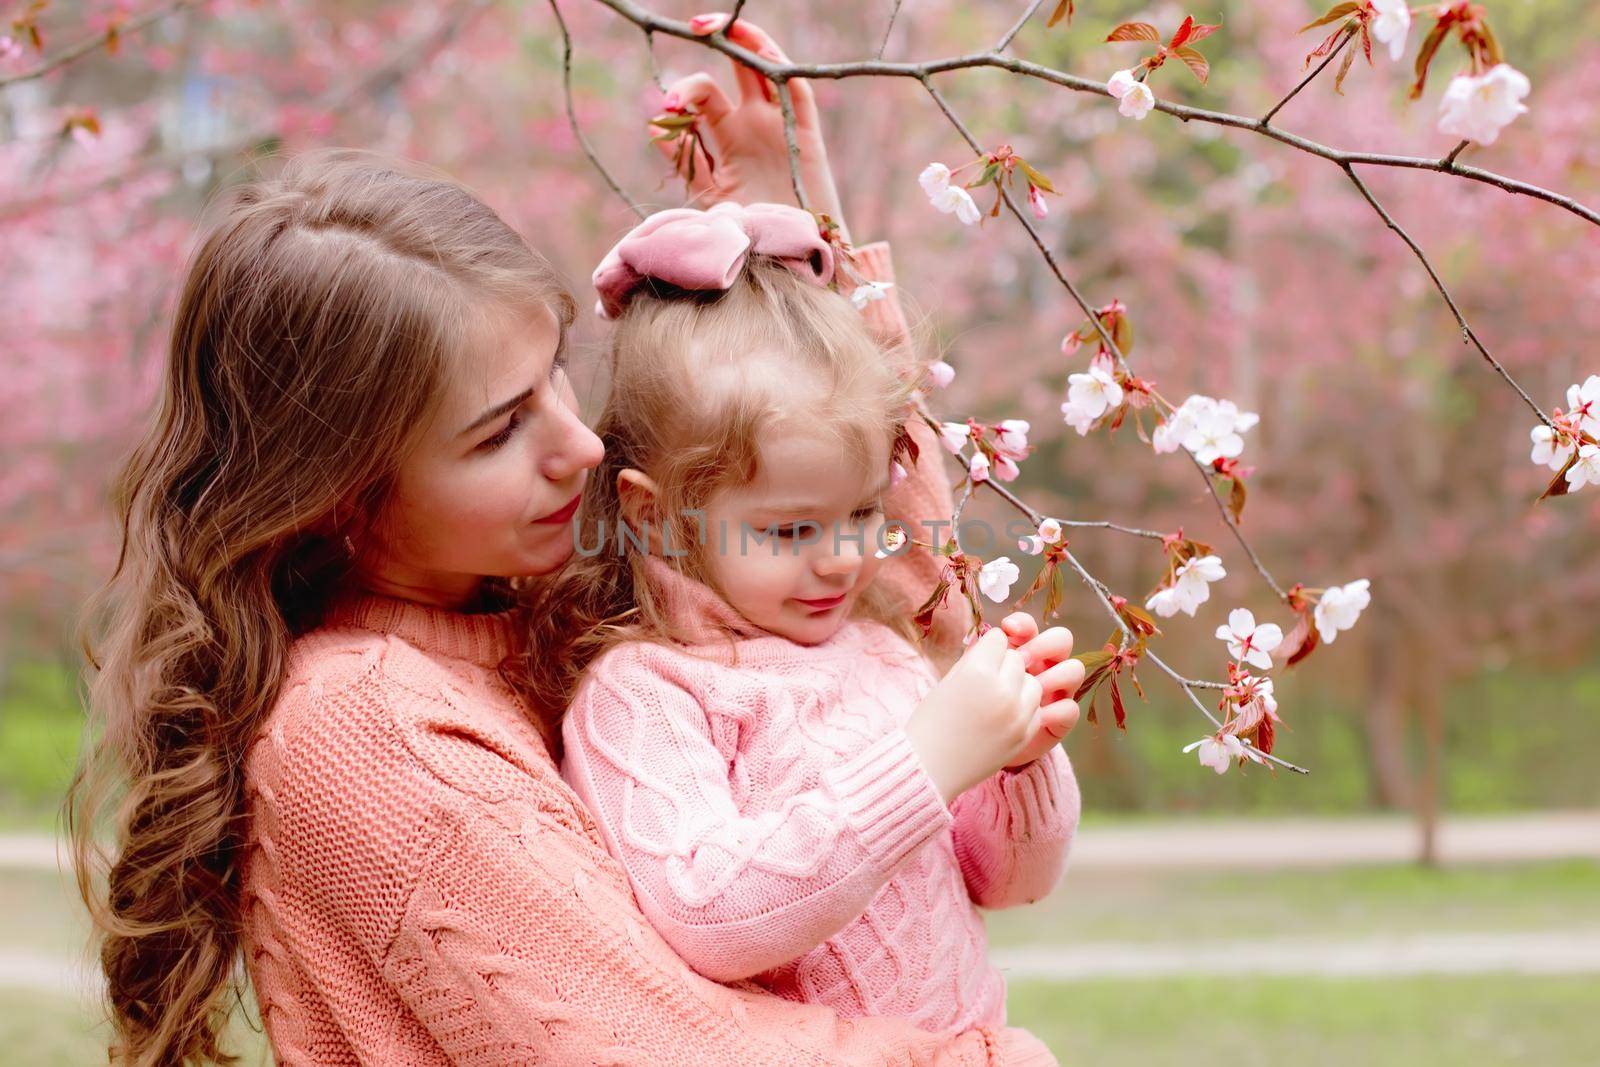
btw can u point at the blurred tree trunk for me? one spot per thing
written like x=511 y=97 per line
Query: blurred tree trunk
x=1391 y=782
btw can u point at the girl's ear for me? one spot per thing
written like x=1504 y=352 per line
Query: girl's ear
x=639 y=499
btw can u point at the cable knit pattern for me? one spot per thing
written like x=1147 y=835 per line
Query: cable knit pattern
x=776 y=823
x=421 y=887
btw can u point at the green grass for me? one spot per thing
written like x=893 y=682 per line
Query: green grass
x=40 y=724
x=1343 y=902
x=1478 y=1021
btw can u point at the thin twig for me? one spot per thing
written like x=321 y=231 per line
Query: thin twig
x=1307 y=80
x=96 y=42
x=786 y=102
x=572 y=113
x=894 y=13
x=1467 y=334
x=1005 y=41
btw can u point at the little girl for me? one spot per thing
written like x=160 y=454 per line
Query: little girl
x=763 y=746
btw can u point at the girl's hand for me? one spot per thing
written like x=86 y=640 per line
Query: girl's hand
x=746 y=138
x=978 y=718
x=1047 y=657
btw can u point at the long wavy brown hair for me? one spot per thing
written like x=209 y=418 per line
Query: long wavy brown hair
x=319 y=316
x=694 y=379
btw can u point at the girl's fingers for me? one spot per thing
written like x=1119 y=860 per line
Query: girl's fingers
x=748 y=35
x=702 y=92
x=1062 y=679
x=1048 y=648
x=1057 y=719
x=1020 y=628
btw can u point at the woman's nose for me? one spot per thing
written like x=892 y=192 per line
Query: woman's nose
x=569 y=446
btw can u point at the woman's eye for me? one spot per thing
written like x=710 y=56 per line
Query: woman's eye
x=489 y=444
x=786 y=531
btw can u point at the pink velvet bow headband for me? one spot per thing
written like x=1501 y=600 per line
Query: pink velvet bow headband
x=694 y=249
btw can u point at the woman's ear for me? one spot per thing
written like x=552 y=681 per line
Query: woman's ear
x=639 y=499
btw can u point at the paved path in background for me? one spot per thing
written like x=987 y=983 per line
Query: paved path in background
x=1225 y=843
x=1555 y=952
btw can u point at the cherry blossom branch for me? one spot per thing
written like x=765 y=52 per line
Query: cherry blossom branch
x=96 y=42
x=1105 y=336
x=1467 y=334
x=1309 y=78
x=648 y=21
x=572 y=113
x=1102 y=592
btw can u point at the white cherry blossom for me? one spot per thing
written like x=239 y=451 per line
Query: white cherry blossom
x=1340 y=607
x=1478 y=108
x=1134 y=98
x=869 y=293
x=934 y=178
x=1033 y=544
x=1550 y=449
x=1587 y=470
x=996 y=577
x=1006 y=469
x=1392 y=25
x=953 y=199
x=1247 y=642
x=1011 y=438
x=1217 y=752
x=978 y=469
x=942 y=373
x=1583 y=404
x=1050 y=531
x=954 y=435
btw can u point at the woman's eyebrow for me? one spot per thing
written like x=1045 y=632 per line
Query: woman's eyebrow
x=496 y=411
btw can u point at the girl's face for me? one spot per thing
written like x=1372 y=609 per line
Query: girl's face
x=802 y=582
x=491 y=487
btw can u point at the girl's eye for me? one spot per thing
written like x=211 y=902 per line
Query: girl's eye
x=786 y=531
x=863 y=514
x=489 y=444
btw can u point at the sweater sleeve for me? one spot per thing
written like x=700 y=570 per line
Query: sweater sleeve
x=1013 y=831
x=736 y=892
x=923 y=501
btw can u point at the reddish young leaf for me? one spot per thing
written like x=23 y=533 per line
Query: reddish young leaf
x=1135 y=31
x=1195 y=62
x=1063 y=11
x=1333 y=14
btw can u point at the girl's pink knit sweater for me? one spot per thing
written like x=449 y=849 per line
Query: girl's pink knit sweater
x=421 y=886
x=777 y=824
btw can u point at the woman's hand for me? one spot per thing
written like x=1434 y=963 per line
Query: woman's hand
x=1047 y=656
x=746 y=138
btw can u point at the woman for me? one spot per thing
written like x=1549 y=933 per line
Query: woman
x=366 y=431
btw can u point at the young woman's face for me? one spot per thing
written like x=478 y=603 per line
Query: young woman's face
x=825 y=506
x=491 y=487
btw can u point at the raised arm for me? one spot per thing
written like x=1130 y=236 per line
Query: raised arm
x=735 y=892
x=923 y=501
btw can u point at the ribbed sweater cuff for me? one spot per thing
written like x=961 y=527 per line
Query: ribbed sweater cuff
x=889 y=798
x=1033 y=795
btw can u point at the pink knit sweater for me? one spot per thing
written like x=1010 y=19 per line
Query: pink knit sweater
x=422 y=887
x=777 y=824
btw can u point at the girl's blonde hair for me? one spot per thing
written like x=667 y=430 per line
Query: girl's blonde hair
x=316 y=325
x=695 y=378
